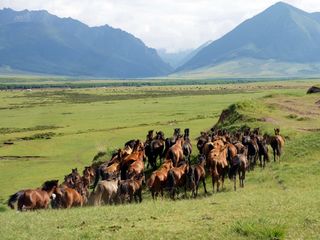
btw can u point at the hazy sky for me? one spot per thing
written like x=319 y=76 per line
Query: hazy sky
x=170 y=24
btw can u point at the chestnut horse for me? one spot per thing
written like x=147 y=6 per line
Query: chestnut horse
x=158 y=179
x=277 y=143
x=217 y=162
x=32 y=199
x=175 y=153
x=135 y=159
x=169 y=142
x=65 y=197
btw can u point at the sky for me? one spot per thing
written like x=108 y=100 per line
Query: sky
x=173 y=25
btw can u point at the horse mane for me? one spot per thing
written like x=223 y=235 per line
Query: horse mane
x=48 y=185
x=98 y=155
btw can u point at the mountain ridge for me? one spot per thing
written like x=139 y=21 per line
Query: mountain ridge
x=40 y=42
x=281 y=32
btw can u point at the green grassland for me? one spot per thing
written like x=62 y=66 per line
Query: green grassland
x=54 y=130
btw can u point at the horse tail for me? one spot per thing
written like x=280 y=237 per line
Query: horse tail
x=170 y=180
x=96 y=179
x=14 y=198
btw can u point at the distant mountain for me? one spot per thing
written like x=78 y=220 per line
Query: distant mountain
x=281 y=33
x=36 y=41
x=177 y=59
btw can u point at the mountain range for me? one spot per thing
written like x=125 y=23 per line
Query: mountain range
x=281 y=33
x=39 y=42
x=280 y=41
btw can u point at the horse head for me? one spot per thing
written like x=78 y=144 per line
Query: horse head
x=277 y=131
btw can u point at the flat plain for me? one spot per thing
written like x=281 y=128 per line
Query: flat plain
x=46 y=132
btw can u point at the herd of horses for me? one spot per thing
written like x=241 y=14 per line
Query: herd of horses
x=122 y=178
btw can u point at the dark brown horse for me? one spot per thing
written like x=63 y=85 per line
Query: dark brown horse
x=177 y=178
x=157 y=181
x=253 y=149
x=202 y=140
x=196 y=174
x=186 y=146
x=238 y=166
x=31 y=199
x=131 y=188
x=155 y=149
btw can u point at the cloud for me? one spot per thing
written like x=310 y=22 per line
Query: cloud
x=172 y=25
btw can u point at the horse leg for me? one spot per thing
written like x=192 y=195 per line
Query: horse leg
x=260 y=159
x=274 y=154
x=173 y=193
x=213 y=182
x=204 y=185
x=218 y=184
x=235 y=181
x=152 y=194
x=140 y=195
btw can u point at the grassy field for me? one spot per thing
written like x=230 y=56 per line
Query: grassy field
x=53 y=131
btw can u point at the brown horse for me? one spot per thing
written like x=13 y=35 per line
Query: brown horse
x=89 y=174
x=169 y=142
x=175 y=153
x=158 y=179
x=217 y=162
x=137 y=154
x=72 y=179
x=277 y=143
x=177 y=177
x=131 y=188
x=32 y=199
x=196 y=174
